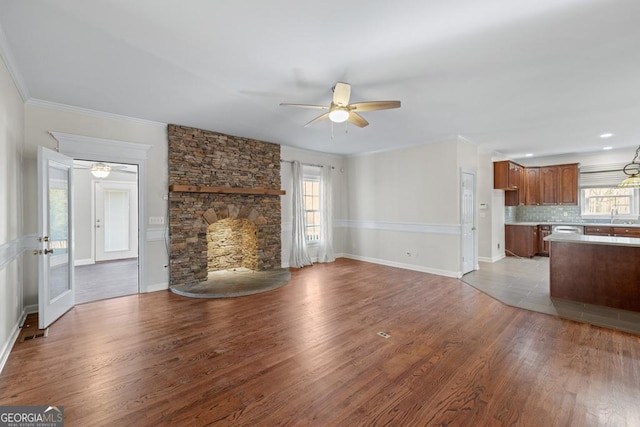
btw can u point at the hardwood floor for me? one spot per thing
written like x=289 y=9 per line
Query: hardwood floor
x=309 y=354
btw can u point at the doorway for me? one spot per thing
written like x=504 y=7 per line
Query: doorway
x=106 y=225
x=468 y=219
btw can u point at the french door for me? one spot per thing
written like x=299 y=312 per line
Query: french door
x=55 y=236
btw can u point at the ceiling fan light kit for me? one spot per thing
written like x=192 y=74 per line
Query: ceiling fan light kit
x=341 y=111
x=339 y=115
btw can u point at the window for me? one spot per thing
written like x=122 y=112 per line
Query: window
x=610 y=202
x=312 y=215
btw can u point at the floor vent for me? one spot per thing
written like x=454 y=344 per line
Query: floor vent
x=29 y=330
x=30 y=335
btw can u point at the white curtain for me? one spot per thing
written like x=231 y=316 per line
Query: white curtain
x=325 y=251
x=299 y=256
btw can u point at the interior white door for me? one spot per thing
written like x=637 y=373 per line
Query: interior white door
x=468 y=219
x=55 y=236
x=116 y=220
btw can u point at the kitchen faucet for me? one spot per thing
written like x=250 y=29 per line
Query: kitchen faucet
x=614 y=212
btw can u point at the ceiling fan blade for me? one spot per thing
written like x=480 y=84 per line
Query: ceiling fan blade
x=357 y=119
x=319 y=107
x=341 y=94
x=317 y=119
x=374 y=105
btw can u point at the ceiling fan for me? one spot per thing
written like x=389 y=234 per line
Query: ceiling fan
x=341 y=111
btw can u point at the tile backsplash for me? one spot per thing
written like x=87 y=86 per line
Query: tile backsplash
x=542 y=213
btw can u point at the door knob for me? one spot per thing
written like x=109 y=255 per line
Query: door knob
x=48 y=251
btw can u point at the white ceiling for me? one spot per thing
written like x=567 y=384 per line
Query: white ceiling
x=514 y=76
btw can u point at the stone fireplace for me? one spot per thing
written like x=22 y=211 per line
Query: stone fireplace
x=224 y=204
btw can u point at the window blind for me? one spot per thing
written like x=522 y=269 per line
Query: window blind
x=601 y=175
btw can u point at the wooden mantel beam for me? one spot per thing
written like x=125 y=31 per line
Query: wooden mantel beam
x=224 y=190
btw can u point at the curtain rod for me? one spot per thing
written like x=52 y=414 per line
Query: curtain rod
x=305 y=164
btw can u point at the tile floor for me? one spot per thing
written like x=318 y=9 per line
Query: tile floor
x=106 y=279
x=524 y=283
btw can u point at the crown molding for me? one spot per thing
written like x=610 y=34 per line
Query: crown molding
x=9 y=60
x=78 y=146
x=89 y=112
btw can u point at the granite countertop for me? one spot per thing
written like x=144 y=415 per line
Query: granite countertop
x=593 y=224
x=594 y=240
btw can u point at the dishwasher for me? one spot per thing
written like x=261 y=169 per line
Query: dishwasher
x=567 y=229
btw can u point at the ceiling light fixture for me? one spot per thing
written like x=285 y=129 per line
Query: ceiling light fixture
x=100 y=170
x=606 y=135
x=529 y=155
x=339 y=115
x=632 y=170
x=607 y=148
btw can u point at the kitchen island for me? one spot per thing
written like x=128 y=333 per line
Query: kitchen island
x=600 y=270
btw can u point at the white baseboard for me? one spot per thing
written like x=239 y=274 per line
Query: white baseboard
x=13 y=336
x=437 y=271
x=30 y=309
x=492 y=260
x=285 y=264
x=86 y=261
x=156 y=287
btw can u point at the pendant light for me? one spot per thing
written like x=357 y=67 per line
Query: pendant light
x=632 y=170
x=100 y=170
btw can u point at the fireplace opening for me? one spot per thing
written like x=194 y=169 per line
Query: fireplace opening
x=232 y=244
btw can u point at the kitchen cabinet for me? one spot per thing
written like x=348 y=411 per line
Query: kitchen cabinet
x=521 y=240
x=532 y=186
x=543 y=246
x=626 y=232
x=598 y=230
x=559 y=184
x=601 y=273
x=548 y=185
x=568 y=184
x=509 y=176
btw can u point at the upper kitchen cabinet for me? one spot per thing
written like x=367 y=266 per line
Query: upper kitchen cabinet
x=544 y=185
x=532 y=186
x=568 y=184
x=559 y=184
x=549 y=185
x=507 y=175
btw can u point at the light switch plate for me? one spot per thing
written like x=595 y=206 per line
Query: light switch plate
x=156 y=220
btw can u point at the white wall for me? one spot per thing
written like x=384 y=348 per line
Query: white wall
x=339 y=197
x=40 y=119
x=11 y=230
x=404 y=206
x=491 y=219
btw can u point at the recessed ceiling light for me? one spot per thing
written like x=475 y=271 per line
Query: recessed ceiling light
x=529 y=155
x=606 y=135
x=607 y=148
